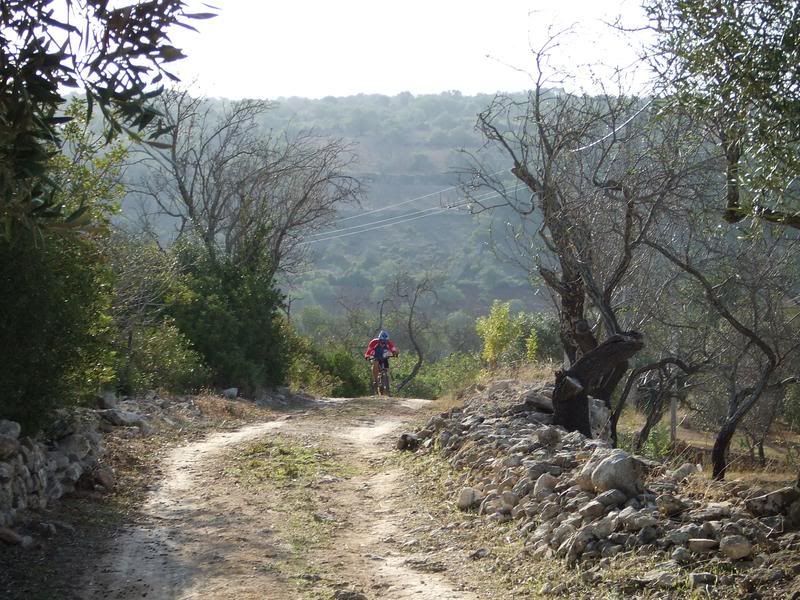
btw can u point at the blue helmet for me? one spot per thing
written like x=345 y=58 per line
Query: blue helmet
x=383 y=335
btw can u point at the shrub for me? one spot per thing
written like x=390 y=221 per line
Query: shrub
x=229 y=312
x=325 y=368
x=448 y=375
x=161 y=357
x=54 y=326
x=499 y=330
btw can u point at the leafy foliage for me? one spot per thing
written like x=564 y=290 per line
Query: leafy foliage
x=726 y=61
x=117 y=55
x=499 y=330
x=325 y=367
x=54 y=326
x=161 y=357
x=229 y=312
x=57 y=290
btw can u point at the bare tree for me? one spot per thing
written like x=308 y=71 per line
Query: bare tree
x=593 y=181
x=748 y=286
x=242 y=190
x=410 y=293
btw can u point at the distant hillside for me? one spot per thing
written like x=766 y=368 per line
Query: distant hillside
x=409 y=150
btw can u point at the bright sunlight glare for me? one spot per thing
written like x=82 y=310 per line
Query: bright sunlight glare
x=317 y=48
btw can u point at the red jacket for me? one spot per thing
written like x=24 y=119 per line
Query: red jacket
x=373 y=345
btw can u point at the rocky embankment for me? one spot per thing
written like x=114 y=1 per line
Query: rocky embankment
x=580 y=501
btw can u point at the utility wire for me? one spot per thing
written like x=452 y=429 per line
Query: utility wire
x=615 y=130
x=416 y=212
x=484 y=196
x=429 y=214
x=452 y=187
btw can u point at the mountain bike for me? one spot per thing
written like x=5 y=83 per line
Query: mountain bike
x=381 y=386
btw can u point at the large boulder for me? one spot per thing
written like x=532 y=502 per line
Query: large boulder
x=621 y=471
x=774 y=503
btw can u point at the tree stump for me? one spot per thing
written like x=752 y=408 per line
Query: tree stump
x=571 y=393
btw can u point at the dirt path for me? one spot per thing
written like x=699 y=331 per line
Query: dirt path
x=207 y=534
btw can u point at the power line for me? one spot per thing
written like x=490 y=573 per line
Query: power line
x=484 y=196
x=436 y=211
x=452 y=187
x=428 y=213
x=416 y=212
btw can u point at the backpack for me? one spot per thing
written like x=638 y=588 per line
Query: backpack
x=382 y=350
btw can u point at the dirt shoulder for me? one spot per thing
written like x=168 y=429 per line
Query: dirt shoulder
x=313 y=501
x=311 y=504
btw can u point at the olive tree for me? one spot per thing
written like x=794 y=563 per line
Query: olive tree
x=116 y=56
x=730 y=63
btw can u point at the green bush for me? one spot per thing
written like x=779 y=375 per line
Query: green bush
x=448 y=375
x=499 y=331
x=657 y=446
x=511 y=338
x=55 y=338
x=548 y=338
x=229 y=312
x=306 y=375
x=161 y=357
x=325 y=369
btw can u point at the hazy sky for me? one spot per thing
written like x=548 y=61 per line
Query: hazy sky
x=317 y=48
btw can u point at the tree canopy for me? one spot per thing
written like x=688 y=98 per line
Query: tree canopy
x=116 y=56
x=733 y=62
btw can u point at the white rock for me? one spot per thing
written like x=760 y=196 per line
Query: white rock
x=620 y=471
x=469 y=498
x=735 y=547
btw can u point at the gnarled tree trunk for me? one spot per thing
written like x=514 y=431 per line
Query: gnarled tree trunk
x=571 y=393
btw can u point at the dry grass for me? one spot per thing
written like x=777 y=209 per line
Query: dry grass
x=221 y=410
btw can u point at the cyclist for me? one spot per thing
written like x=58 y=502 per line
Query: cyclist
x=379 y=349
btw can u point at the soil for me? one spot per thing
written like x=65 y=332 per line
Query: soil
x=311 y=501
x=314 y=504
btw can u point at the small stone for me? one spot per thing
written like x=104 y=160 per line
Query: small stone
x=668 y=505
x=682 y=556
x=544 y=485
x=10 y=428
x=697 y=580
x=592 y=510
x=612 y=497
x=10 y=536
x=469 y=498
x=349 y=595
x=685 y=471
x=548 y=436
x=702 y=545
x=408 y=441
x=735 y=547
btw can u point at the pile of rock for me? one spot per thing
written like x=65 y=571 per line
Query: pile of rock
x=580 y=500
x=34 y=473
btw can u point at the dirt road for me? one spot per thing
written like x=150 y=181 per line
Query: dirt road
x=312 y=506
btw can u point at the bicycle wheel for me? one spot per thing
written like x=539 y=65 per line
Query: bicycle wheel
x=384 y=382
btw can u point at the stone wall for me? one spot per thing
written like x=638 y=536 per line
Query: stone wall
x=35 y=473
